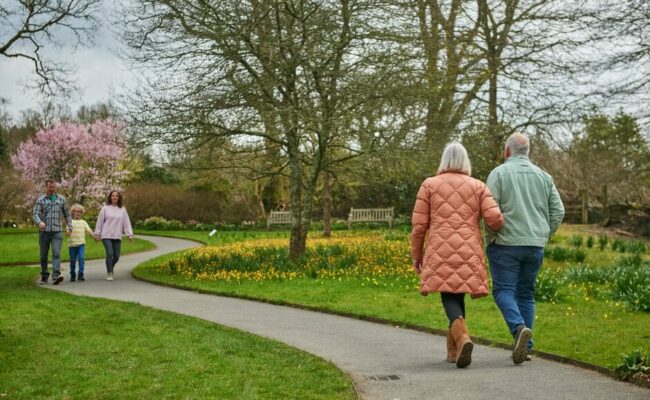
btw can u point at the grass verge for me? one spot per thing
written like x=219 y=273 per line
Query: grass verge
x=23 y=248
x=58 y=346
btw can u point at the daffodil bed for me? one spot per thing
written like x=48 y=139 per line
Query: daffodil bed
x=370 y=274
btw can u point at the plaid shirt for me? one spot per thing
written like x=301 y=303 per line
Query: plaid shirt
x=51 y=212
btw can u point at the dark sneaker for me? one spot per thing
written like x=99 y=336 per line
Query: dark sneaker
x=43 y=282
x=520 y=350
x=529 y=357
x=57 y=280
x=81 y=278
x=72 y=278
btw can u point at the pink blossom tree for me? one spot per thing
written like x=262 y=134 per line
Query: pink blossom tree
x=87 y=160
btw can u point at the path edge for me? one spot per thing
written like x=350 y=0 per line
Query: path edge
x=419 y=328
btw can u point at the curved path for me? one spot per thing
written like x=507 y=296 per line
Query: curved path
x=385 y=362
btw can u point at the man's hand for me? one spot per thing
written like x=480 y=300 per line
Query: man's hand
x=41 y=226
x=68 y=233
x=96 y=237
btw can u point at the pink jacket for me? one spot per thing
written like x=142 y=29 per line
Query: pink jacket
x=448 y=208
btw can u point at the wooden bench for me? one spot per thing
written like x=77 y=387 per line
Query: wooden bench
x=278 y=217
x=370 y=215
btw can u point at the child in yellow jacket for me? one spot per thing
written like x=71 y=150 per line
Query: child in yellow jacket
x=77 y=242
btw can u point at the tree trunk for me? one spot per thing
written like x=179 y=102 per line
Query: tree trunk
x=584 y=206
x=297 y=242
x=607 y=219
x=260 y=200
x=327 y=204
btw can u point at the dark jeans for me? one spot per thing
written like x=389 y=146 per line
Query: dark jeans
x=514 y=271
x=55 y=239
x=454 y=305
x=112 y=247
x=77 y=253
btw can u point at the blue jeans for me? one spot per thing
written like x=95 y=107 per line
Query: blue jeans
x=514 y=270
x=45 y=240
x=112 y=247
x=77 y=253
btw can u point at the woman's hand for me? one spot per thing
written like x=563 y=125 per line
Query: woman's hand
x=417 y=266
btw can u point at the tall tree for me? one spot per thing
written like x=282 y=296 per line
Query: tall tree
x=620 y=30
x=453 y=72
x=255 y=78
x=86 y=160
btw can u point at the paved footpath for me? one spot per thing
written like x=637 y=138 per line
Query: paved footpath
x=410 y=362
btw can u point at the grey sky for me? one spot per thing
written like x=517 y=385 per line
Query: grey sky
x=99 y=71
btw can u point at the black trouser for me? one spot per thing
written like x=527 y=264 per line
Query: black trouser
x=112 y=247
x=454 y=304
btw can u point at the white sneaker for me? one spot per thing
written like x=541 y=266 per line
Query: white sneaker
x=109 y=276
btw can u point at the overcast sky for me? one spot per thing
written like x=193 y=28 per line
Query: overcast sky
x=100 y=72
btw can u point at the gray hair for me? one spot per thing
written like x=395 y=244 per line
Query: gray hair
x=518 y=144
x=455 y=158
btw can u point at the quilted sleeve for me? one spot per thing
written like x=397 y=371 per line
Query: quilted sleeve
x=490 y=210
x=420 y=222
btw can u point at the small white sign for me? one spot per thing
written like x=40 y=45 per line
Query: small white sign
x=213 y=232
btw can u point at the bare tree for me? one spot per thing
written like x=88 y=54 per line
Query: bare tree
x=620 y=32
x=30 y=26
x=263 y=80
x=531 y=52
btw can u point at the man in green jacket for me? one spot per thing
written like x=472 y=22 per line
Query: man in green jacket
x=532 y=210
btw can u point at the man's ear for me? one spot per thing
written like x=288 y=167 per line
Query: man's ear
x=506 y=153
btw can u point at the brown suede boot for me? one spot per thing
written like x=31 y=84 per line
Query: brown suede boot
x=463 y=343
x=451 y=348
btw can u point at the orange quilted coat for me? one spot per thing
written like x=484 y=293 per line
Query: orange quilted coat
x=449 y=207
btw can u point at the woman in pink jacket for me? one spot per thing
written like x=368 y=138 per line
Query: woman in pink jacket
x=113 y=222
x=447 y=212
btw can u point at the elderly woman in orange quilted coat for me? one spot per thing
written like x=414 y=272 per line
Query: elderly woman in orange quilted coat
x=447 y=213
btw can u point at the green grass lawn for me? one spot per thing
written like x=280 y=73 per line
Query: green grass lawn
x=55 y=345
x=22 y=248
x=583 y=326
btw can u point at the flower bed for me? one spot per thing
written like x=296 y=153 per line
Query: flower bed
x=372 y=259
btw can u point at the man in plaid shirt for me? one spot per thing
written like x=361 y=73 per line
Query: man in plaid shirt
x=49 y=210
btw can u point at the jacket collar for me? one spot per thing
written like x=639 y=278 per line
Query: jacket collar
x=517 y=157
x=451 y=171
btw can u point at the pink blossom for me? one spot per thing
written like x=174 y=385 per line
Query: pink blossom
x=85 y=159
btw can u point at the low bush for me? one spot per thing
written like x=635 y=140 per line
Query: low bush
x=548 y=284
x=634 y=365
x=590 y=242
x=602 y=242
x=631 y=282
x=576 y=241
x=160 y=224
x=561 y=254
x=584 y=273
x=635 y=247
x=618 y=245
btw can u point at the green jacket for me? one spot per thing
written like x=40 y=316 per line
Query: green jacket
x=530 y=203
